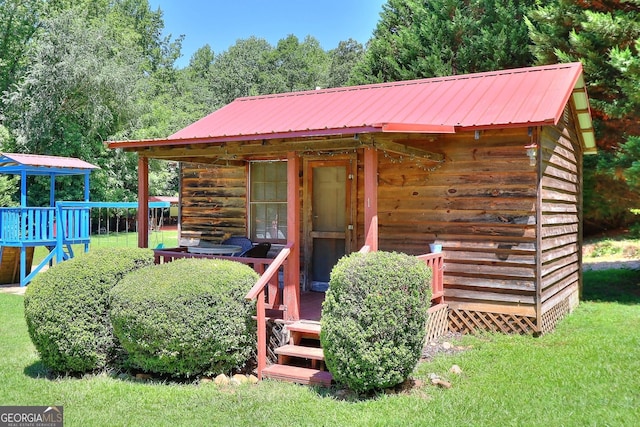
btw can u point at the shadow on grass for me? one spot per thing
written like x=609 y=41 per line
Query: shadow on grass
x=37 y=370
x=622 y=286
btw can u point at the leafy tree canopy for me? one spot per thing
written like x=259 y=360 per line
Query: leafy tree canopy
x=605 y=37
x=417 y=38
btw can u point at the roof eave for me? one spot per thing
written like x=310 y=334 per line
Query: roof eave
x=375 y=128
x=578 y=96
x=146 y=143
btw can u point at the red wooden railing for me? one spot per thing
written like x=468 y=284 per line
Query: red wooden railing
x=436 y=262
x=257 y=293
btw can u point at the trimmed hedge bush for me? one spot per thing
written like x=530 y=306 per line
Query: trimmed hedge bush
x=66 y=308
x=187 y=317
x=374 y=318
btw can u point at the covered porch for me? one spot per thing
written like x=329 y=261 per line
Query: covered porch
x=273 y=296
x=310 y=302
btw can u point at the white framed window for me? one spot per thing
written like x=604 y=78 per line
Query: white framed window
x=268 y=201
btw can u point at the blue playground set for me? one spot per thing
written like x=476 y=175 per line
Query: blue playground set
x=57 y=227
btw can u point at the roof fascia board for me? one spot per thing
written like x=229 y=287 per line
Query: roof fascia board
x=145 y=143
x=240 y=149
x=42 y=171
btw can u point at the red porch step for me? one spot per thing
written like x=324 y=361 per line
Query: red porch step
x=303 y=352
x=290 y=357
x=298 y=375
x=306 y=328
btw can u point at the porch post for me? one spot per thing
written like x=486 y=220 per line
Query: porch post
x=23 y=226
x=86 y=214
x=143 y=202
x=86 y=186
x=52 y=190
x=291 y=294
x=23 y=189
x=371 y=198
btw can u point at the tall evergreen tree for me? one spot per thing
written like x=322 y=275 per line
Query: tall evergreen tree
x=420 y=38
x=605 y=37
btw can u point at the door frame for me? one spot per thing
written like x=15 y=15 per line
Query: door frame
x=350 y=162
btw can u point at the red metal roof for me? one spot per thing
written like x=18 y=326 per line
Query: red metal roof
x=9 y=162
x=507 y=98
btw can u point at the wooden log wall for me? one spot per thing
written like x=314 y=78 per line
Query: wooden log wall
x=560 y=236
x=511 y=239
x=480 y=204
x=213 y=201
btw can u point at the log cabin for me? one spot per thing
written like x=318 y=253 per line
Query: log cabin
x=487 y=166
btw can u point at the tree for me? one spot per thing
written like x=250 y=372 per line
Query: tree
x=417 y=38
x=237 y=71
x=9 y=186
x=78 y=89
x=342 y=61
x=201 y=63
x=605 y=37
x=294 y=66
x=18 y=23
x=93 y=70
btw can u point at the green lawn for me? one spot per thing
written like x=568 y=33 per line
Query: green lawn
x=618 y=247
x=586 y=373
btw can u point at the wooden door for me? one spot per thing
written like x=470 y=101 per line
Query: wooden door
x=328 y=214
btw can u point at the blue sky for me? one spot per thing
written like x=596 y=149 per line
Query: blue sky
x=220 y=23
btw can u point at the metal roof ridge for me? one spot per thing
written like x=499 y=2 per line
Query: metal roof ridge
x=383 y=85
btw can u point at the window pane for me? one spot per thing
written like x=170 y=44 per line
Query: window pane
x=268 y=200
x=270 y=192
x=258 y=215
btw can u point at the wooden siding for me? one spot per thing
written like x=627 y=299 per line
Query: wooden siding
x=213 y=201
x=479 y=204
x=560 y=231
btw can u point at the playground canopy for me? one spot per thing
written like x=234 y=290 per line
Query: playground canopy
x=32 y=164
x=39 y=165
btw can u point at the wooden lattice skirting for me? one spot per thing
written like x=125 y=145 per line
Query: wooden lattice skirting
x=276 y=337
x=437 y=324
x=551 y=317
x=469 y=321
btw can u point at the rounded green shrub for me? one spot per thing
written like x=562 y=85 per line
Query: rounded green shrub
x=187 y=317
x=67 y=308
x=374 y=318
